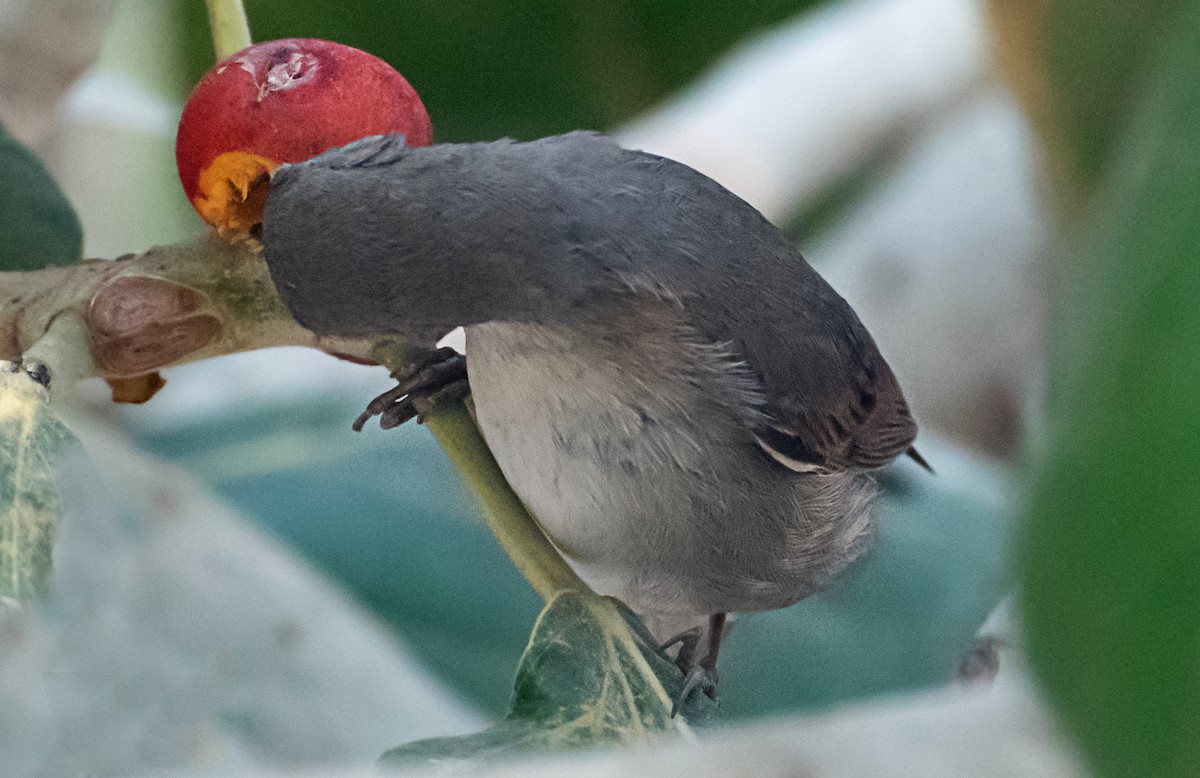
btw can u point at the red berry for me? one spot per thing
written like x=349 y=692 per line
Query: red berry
x=283 y=101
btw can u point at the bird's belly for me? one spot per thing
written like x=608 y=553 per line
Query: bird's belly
x=648 y=504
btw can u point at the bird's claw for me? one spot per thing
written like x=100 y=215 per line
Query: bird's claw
x=438 y=377
x=697 y=673
x=688 y=641
x=699 y=677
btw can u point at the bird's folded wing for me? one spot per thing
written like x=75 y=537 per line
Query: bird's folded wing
x=860 y=425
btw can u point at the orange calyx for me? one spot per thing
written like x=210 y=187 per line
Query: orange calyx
x=232 y=191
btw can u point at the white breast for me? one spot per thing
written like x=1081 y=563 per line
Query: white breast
x=635 y=456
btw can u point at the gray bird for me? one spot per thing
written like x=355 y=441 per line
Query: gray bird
x=691 y=413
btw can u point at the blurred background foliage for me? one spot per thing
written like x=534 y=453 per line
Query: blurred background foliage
x=1112 y=593
x=524 y=69
x=1112 y=551
x=383 y=513
x=1088 y=63
x=42 y=228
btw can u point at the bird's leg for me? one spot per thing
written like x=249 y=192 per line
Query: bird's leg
x=437 y=376
x=698 y=674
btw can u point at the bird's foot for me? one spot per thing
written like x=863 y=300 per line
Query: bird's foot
x=697 y=673
x=699 y=677
x=437 y=377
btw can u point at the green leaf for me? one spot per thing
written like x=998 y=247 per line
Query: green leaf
x=40 y=227
x=1113 y=555
x=31 y=440
x=591 y=675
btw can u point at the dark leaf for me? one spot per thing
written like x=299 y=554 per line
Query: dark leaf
x=40 y=227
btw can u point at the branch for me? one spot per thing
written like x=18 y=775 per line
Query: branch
x=167 y=306
x=519 y=534
x=132 y=316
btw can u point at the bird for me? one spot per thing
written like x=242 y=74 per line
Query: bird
x=693 y=416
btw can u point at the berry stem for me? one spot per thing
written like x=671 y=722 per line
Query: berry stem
x=230 y=29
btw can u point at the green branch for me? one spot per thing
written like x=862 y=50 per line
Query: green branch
x=519 y=534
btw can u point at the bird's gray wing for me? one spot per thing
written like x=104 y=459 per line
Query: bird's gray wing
x=830 y=400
